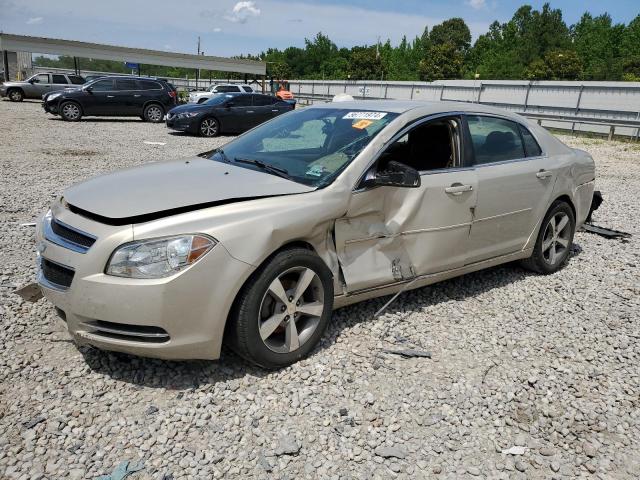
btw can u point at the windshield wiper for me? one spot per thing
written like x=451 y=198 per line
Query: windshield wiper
x=211 y=153
x=280 y=172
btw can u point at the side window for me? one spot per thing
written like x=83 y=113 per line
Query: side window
x=495 y=139
x=242 y=101
x=59 y=79
x=263 y=100
x=227 y=88
x=248 y=89
x=531 y=147
x=432 y=145
x=126 y=84
x=76 y=80
x=149 y=85
x=102 y=86
x=42 y=78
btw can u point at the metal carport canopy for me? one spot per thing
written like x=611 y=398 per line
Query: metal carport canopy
x=53 y=46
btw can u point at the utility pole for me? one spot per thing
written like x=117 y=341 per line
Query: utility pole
x=198 y=71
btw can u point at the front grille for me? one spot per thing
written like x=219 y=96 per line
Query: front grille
x=71 y=235
x=56 y=273
x=124 y=331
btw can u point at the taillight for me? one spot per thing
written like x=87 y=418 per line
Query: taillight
x=172 y=94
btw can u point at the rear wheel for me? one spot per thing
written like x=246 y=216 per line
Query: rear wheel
x=282 y=312
x=209 y=127
x=70 y=111
x=554 y=241
x=153 y=113
x=16 y=95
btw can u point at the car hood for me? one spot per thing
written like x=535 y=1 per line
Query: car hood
x=162 y=189
x=189 y=108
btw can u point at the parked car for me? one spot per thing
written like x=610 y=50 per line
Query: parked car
x=200 y=97
x=255 y=244
x=38 y=85
x=228 y=113
x=148 y=98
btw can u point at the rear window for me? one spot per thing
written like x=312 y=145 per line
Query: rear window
x=149 y=85
x=126 y=84
x=227 y=88
x=59 y=79
x=262 y=100
x=76 y=80
x=248 y=89
x=531 y=147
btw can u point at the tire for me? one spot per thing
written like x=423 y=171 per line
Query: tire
x=15 y=95
x=70 y=111
x=209 y=127
x=554 y=241
x=153 y=113
x=267 y=331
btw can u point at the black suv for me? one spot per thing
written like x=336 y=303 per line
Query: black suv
x=147 y=98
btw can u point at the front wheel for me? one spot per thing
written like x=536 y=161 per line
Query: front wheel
x=209 y=127
x=16 y=95
x=282 y=312
x=153 y=113
x=554 y=241
x=70 y=111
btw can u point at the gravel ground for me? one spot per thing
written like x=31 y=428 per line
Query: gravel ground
x=530 y=376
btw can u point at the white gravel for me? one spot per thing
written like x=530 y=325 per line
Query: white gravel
x=530 y=376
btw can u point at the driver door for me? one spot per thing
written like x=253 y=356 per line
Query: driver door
x=392 y=234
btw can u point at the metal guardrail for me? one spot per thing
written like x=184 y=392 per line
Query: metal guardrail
x=573 y=120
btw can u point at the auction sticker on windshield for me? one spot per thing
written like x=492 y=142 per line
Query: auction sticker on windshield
x=364 y=115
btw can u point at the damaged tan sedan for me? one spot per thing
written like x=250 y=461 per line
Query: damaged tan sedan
x=255 y=244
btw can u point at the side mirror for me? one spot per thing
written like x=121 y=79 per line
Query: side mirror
x=396 y=174
x=33 y=80
x=88 y=89
x=229 y=104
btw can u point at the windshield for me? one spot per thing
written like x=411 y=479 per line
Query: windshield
x=218 y=100
x=311 y=146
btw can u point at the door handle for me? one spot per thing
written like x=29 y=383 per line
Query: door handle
x=136 y=96
x=249 y=111
x=110 y=96
x=274 y=110
x=544 y=174
x=458 y=189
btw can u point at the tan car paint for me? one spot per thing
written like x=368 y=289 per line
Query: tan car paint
x=384 y=239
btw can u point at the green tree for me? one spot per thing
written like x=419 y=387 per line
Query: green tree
x=597 y=42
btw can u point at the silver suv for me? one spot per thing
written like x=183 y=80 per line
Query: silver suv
x=39 y=85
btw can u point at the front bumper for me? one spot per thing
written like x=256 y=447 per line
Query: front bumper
x=179 y=317
x=183 y=124
x=50 y=107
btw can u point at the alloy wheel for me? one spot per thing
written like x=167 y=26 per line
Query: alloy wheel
x=154 y=114
x=15 y=96
x=291 y=309
x=557 y=236
x=209 y=127
x=71 y=111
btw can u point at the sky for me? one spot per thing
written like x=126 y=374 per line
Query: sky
x=231 y=27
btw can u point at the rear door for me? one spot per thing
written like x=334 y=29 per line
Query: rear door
x=263 y=107
x=515 y=183
x=58 y=82
x=127 y=98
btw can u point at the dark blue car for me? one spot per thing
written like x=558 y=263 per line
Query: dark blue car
x=227 y=113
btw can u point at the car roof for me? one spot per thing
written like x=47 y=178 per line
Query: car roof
x=424 y=106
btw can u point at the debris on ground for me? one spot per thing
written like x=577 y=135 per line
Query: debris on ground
x=605 y=232
x=123 y=470
x=30 y=293
x=409 y=353
x=515 y=450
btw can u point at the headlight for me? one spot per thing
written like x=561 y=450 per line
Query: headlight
x=53 y=95
x=158 y=258
x=187 y=114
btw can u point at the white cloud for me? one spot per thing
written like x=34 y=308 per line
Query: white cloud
x=477 y=4
x=217 y=30
x=35 y=21
x=242 y=12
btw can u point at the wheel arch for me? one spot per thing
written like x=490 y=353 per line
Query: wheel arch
x=567 y=199
x=62 y=101
x=153 y=102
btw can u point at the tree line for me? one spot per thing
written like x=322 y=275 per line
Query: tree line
x=533 y=44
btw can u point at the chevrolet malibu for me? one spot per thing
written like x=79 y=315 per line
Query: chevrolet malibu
x=255 y=244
